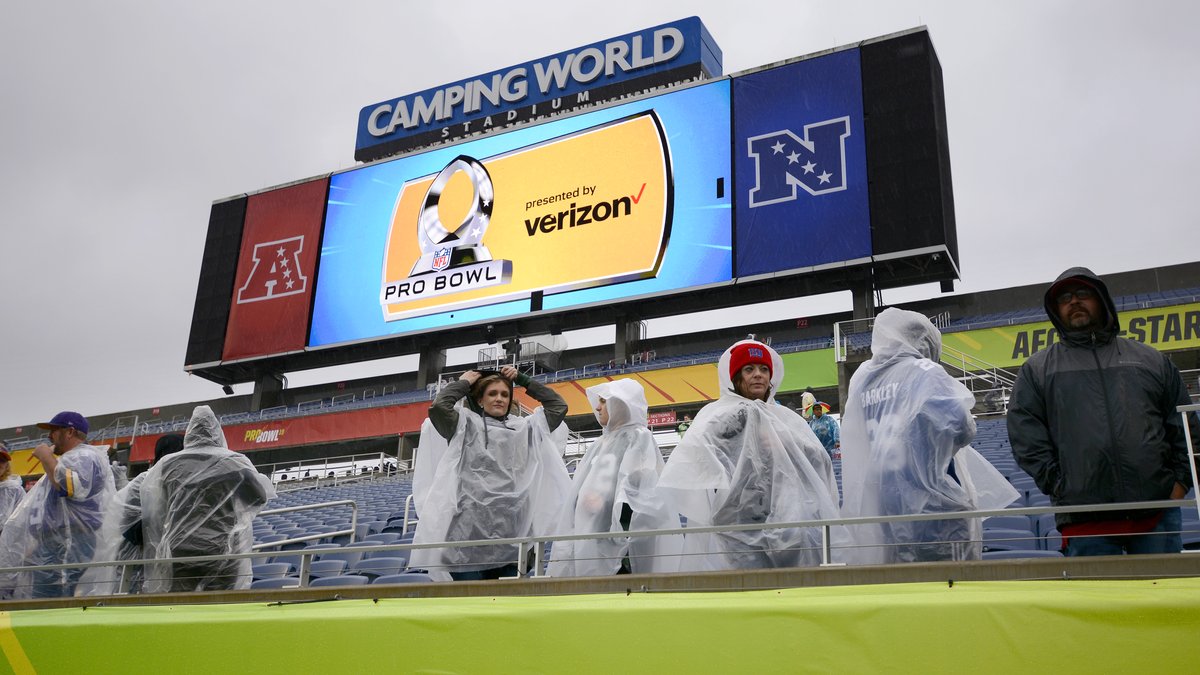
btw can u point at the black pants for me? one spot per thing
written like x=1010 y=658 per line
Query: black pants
x=217 y=575
x=509 y=570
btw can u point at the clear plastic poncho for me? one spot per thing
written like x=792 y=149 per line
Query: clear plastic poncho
x=120 y=539
x=907 y=424
x=120 y=474
x=619 y=471
x=748 y=461
x=54 y=525
x=12 y=491
x=505 y=481
x=201 y=500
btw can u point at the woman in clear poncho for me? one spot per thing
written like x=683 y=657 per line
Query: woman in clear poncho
x=483 y=473
x=201 y=500
x=905 y=450
x=615 y=490
x=745 y=460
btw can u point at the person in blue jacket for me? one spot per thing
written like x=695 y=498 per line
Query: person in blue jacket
x=825 y=427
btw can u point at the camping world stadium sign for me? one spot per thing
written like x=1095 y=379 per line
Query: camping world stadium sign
x=624 y=66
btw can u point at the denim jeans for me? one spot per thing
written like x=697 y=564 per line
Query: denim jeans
x=1162 y=539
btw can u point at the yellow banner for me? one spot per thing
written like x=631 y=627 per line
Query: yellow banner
x=698 y=383
x=586 y=209
x=24 y=463
x=1075 y=626
x=1164 y=328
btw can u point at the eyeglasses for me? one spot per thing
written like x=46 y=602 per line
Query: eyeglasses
x=1079 y=294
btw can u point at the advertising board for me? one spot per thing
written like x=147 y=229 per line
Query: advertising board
x=830 y=170
x=669 y=54
x=617 y=203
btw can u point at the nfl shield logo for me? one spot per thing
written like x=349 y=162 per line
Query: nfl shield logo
x=441 y=259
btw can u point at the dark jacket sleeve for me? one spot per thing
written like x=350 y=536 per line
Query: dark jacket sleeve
x=1175 y=394
x=1029 y=433
x=442 y=413
x=553 y=404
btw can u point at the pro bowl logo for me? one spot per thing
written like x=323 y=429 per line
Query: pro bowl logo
x=264 y=435
x=586 y=209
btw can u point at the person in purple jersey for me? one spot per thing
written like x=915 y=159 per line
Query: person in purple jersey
x=59 y=519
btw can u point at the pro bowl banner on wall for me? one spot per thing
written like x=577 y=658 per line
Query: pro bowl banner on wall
x=613 y=204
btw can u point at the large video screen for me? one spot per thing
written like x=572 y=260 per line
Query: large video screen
x=626 y=202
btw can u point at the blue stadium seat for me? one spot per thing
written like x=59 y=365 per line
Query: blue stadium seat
x=1008 y=523
x=270 y=570
x=351 y=557
x=340 y=580
x=326 y=568
x=405 y=578
x=1009 y=540
x=1037 y=499
x=1045 y=523
x=378 y=567
x=1052 y=541
x=276 y=582
x=381 y=538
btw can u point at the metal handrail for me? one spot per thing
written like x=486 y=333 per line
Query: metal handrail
x=408 y=504
x=1183 y=411
x=977 y=366
x=323 y=464
x=537 y=543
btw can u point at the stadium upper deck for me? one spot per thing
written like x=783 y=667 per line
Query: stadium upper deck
x=1159 y=306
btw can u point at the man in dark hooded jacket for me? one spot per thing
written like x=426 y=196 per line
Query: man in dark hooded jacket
x=1093 y=420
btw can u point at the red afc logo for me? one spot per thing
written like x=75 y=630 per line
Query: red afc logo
x=276 y=271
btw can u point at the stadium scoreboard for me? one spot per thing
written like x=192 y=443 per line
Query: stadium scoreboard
x=670 y=188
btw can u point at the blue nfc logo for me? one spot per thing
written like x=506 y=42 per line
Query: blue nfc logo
x=784 y=162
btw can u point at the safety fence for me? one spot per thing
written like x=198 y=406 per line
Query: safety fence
x=381 y=563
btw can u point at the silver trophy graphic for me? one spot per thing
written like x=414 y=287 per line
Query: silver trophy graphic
x=442 y=248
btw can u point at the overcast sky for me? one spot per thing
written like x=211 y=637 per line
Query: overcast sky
x=1073 y=134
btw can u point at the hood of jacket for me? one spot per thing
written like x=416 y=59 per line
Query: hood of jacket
x=1082 y=337
x=726 y=381
x=204 y=430
x=901 y=332
x=626 y=401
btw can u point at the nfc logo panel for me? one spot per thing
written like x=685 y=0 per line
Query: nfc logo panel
x=585 y=209
x=802 y=198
